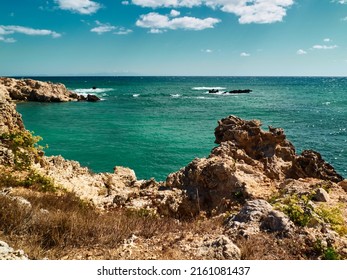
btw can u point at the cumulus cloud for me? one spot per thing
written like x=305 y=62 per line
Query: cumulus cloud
x=324 y=47
x=207 y=50
x=244 y=54
x=12 y=29
x=327 y=40
x=125 y=2
x=301 y=52
x=157 y=21
x=174 y=13
x=248 y=11
x=84 y=7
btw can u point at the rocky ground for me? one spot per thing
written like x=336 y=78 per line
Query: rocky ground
x=253 y=197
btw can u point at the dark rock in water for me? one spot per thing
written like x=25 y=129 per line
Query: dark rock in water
x=94 y=87
x=82 y=98
x=213 y=90
x=74 y=95
x=240 y=91
x=92 y=98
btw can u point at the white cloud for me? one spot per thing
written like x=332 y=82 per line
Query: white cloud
x=156 y=31
x=84 y=7
x=102 y=28
x=301 y=52
x=327 y=40
x=244 y=54
x=174 y=13
x=324 y=47
x=106 y=27
x=207 y=50
x=167 y=3
x=122 y=31
x=7 y=40
x=248 y=11
x=344 y=19
x=157 y=21
x=12 y=29
x=125 y=2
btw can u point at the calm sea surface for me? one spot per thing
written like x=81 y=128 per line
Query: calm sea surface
x=156 y=125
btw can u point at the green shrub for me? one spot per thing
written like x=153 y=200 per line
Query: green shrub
x=24 y=147
x=333 y=216
x=297 y=209
x=28 y=179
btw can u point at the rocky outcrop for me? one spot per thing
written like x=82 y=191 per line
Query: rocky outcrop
x=249 y=163
x=258 y=215
x=32 y=90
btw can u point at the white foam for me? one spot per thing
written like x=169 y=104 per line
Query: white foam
x=204 y=97
x=175 y=95
x=208 y=88
x=136 y=95
x=86 y=91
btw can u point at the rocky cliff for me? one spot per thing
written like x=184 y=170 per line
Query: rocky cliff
x=253 y=183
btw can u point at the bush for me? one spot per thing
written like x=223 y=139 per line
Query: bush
x=297 y=209
x=28 y=179
x=24 y=147
x=333 y=216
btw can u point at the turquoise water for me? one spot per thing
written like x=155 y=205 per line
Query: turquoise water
x=156 y=125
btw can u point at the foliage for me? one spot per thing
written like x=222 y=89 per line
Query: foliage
x=297 y=208
x=333 y=216
x=24 y=147
x=326 y=252
x=28 y=179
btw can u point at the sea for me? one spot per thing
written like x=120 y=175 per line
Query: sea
x=157 y=125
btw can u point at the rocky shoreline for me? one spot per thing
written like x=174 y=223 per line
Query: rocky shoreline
x=37 y=91
x=253 y=181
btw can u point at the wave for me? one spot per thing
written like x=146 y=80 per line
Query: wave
x=97 y=91
x=136 y=95
x=204 y=97
x=208 y=88
x=175 y=95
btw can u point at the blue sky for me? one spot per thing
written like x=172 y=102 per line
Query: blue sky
x=173 y=37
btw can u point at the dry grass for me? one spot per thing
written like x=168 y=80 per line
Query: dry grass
x=268 y=246
x=66 y=223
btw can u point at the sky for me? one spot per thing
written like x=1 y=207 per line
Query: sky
x=173 y=37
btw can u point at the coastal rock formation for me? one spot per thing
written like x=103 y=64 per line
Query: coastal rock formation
x=249 y=162
x=32 y=90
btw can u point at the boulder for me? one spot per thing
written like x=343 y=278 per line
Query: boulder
x=321 y=195
x=219 y=248
x=92 y=98
x=258 y=215
x=8 y=253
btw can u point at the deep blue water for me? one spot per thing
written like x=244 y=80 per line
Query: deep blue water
x=156 y=125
